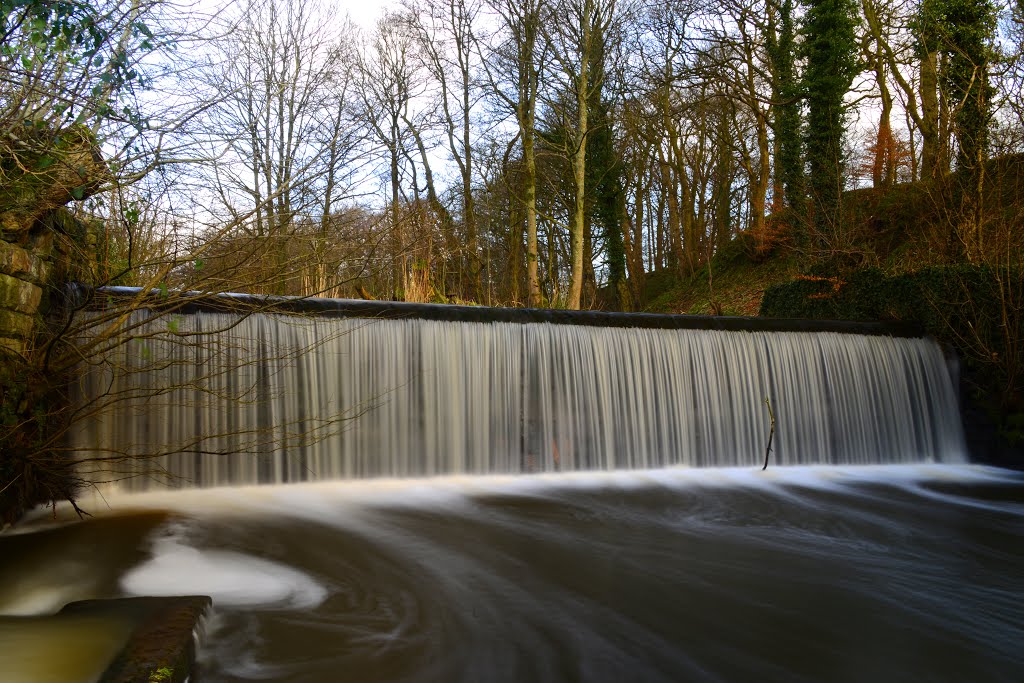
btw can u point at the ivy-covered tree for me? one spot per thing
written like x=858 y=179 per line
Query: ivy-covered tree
x=967 y=29
x=830 y=48
x=604 y=189
x=789 y=168
x=605 y=198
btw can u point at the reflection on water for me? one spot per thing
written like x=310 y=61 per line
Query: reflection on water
x=804 y=574
x=65 y=649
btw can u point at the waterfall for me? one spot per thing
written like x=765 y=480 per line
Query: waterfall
x=215 y=398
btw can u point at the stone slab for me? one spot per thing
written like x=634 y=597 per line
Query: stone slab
x=161 y=649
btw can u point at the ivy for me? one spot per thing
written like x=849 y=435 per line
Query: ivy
x=87 y=39
x=830 y=48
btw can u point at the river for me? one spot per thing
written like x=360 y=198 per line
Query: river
x=877 y=573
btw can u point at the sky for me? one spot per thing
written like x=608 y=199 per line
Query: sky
x=363 y=12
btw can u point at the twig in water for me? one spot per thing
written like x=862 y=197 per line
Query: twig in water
x=768 y=450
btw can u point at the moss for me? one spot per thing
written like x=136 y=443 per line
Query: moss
x=46 y=169
x=19 y=295
x=162 y=675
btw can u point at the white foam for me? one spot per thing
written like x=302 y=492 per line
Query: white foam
x=322 y=501
x=232 y=579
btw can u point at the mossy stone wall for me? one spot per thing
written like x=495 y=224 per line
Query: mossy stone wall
x=42 y=247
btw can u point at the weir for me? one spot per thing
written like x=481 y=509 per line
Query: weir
x=211 y=396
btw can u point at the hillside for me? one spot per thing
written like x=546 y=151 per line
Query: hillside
x=897 y=230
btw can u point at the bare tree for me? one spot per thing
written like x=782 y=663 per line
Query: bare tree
x=445 y=33
x=283 y=121
x=574 y=34
x=514 y=72
x=388 y=84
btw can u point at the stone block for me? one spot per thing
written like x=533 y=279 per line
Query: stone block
x=18 y=295
x=16 y=325
x=162 y=647
x=42 y=244
x=16 y=347
x=22 y=264
x=13 y=259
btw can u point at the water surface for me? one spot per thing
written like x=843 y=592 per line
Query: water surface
x=888 y=573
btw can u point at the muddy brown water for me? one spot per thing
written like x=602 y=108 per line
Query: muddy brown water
x=889 y=573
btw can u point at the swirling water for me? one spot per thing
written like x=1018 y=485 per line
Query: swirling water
x=885 y=573
x=651 y=549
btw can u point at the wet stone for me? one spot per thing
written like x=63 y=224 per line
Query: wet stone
x=161 y=649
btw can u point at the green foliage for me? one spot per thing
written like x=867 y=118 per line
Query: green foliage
x=164 y=674
x=68 y=63
x=869 y=294
x=830 y=47
x=1013 y=429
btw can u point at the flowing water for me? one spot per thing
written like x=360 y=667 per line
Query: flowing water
x=531 y=502
x=289 y=399
x=889 y=573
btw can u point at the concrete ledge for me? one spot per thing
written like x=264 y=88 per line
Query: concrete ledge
x=190 y=302
x=161 y=649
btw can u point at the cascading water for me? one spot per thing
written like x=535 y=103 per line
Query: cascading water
x=615 y=566
x=228 y=399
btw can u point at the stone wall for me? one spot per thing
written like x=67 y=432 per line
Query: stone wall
x=34 y=265
x=42 y=247
x=24 y=272
x=41 y=244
